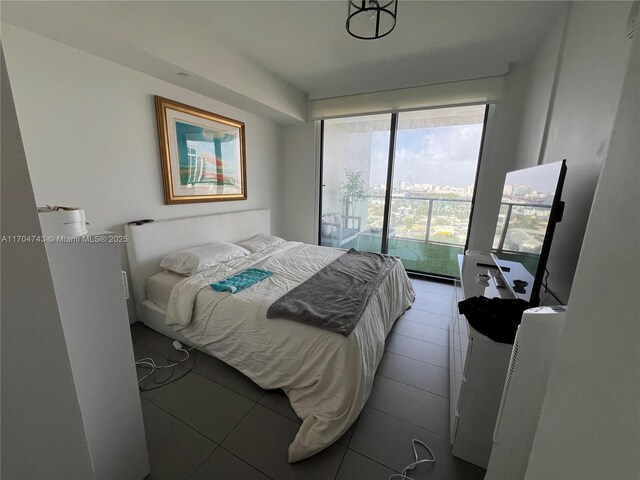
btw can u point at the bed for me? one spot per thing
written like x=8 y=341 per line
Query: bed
x=326 y=376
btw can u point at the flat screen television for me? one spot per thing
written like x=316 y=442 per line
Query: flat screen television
x=531 y=206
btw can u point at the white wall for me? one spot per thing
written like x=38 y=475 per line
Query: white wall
x=592 y=69
x=498 y=152
x=542 y=73
x=299 y=206
x=590 y=422
x=573 y=118
x=90 y=136
x=127 y=33
x=42 y=434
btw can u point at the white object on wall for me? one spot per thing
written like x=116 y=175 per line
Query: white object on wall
x=532 y=357
x=62 y=221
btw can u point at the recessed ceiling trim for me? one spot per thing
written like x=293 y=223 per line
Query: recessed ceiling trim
x=466 y=92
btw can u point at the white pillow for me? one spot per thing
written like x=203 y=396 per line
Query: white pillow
x=260 y=242
x=194 y=259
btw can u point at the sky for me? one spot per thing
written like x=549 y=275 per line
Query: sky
x=543 y=178
x=439 y=155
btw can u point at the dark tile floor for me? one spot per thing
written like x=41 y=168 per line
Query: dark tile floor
x=216 y=424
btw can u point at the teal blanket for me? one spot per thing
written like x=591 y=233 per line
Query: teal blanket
x=241 y=281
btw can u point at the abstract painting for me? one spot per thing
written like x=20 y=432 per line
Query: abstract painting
x=202 y=153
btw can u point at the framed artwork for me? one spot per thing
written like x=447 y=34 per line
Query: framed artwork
x=202 y=154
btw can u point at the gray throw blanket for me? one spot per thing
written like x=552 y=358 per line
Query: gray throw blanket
x=335 y=297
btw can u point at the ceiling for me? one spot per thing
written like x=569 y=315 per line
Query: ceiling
x=305 y=42
x=299 y=46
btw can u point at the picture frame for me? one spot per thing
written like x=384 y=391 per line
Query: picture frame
x=202 y=154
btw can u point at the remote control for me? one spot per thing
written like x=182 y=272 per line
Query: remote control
x=499 y=282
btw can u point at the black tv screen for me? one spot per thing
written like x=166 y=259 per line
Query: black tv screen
x=531 y=206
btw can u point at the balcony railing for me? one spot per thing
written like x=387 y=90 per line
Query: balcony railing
x=428 y=233
x=462 y=221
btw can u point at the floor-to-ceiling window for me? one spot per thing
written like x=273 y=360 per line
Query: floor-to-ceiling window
x=402 y=184
x=355 y=166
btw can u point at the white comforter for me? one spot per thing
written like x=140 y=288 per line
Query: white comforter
x=327 y=376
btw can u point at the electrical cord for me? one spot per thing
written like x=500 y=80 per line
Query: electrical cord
x=545 y=284
x=414 y=443
x=148 y=362
x=151 y=363
x=168 y=380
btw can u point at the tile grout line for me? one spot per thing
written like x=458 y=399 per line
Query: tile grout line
x=231 y=431
x=406 y=384
x=282 y=415
x=425 y=324
x=374 y=460
x=244 y=461
x=184 y=423
x=416 y=359
x=203 y=462
x=426 y=292
x=344 y=454
x=425 y=288
x=406 y=421
x=409 y=385
x=446 y=369
x=227 y=388
x=413 y=307
x=427 y=297
x=421 y=340
x=239 y=422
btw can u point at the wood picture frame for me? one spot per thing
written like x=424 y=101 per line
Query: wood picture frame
x=202 y=154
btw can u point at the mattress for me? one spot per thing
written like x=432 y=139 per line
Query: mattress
x=327 y=376
x=159 y=287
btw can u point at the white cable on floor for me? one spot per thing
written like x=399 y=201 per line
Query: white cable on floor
x=150 y=362
x=411 y=466
x=147 y=361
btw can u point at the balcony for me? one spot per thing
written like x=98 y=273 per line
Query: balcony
x=428 y=233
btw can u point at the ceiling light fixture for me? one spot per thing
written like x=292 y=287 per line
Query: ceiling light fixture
x=371 y=19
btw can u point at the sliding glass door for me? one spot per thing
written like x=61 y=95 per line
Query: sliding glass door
x=408 y=176
x=355 y=163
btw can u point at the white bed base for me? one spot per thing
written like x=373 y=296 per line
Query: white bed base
x=150 y=242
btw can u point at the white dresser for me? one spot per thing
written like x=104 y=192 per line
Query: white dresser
x=477 y=364
x=90 y=295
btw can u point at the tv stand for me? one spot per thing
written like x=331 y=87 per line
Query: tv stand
x=478 y=365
